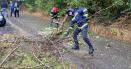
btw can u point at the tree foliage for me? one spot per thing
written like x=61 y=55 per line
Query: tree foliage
x=117 y=6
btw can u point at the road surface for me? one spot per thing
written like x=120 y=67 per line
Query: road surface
x=109 y=53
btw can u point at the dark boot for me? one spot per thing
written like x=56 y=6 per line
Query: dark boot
x=75 y=48
x=91 y=50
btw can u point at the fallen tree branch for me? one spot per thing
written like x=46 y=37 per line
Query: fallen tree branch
x=61 y=39
x=39 y=59
x=1 y=64
x=58 y=51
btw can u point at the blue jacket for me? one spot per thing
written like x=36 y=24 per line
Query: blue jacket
x=12 y=6
x=80 y=20
x=4 y=5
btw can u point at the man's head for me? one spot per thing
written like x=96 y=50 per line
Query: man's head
x=10 y=1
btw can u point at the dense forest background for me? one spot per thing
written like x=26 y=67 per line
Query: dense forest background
x=113 y=8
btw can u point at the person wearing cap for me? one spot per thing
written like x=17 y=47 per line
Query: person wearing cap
x=82 y=26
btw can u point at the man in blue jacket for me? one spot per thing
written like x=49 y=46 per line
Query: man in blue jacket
x=82 y=26
x=4 y=7
x=11 y=8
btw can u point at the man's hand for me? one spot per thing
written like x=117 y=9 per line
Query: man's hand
x=71 y=28
x=60 y=29
x=68 y=31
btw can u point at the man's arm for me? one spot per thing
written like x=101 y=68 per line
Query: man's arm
x=73 y=22
x=85 y=19
x=71 y=27
x=65 y=18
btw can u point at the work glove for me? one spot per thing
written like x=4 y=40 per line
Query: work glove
x=68 y=31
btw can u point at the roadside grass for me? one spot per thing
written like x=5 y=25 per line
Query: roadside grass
x=112 y=32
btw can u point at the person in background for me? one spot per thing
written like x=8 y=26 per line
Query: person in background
x=16 y=9
x=2 y=19
x=4 y=7
x=11 y=8
x=54 y=16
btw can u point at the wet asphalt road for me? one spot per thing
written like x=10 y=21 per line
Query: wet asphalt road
x=7 y=30
x=31 y=25
x=109 y=53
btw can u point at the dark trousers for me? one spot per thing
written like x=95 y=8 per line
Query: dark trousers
x=84 y=35
x=16 y=13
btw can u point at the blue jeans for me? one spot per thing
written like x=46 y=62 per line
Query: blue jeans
x=84 y=35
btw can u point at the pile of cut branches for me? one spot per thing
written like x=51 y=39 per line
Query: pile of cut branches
x=38 y=52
